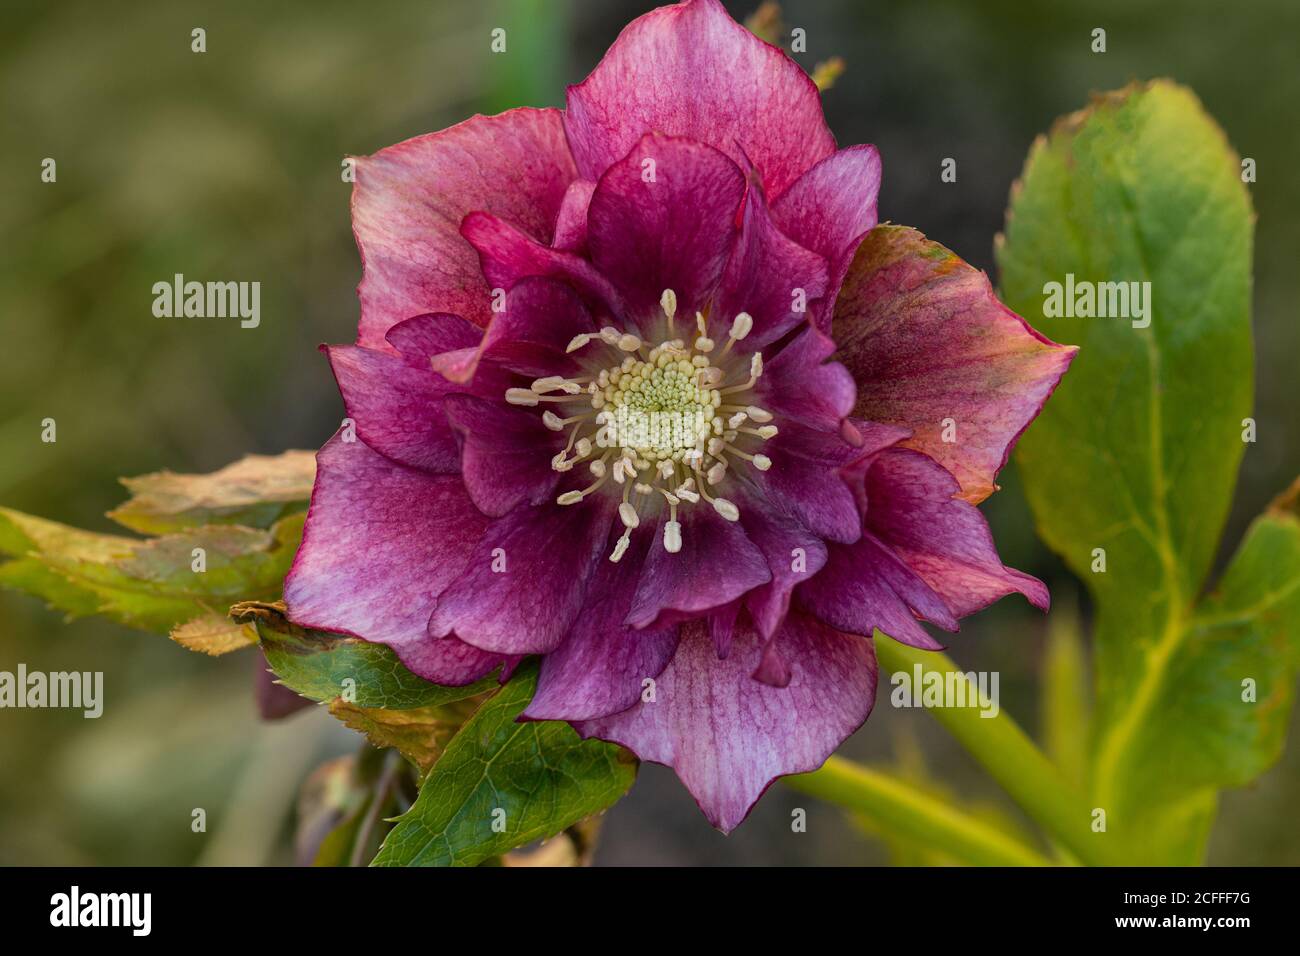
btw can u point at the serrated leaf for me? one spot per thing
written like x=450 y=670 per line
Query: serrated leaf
x=255 y=491
x=502 y=784
x=214 y=634
x=1137 y=452
x=324 y=666
x=150 y=584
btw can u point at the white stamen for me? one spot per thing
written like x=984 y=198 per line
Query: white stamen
x=668 y=301
x=725 y=508
x=762 y=462
x=629 y=343
x=672 y=536
x=758 y=414
x=628 y=515
x=552 y=421
x=620 y=546
x=522 y=396
x=569 y=498
x=578 y=341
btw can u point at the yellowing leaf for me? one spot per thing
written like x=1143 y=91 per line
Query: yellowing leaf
x=255 y=491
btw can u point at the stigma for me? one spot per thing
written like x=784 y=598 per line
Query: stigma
x=659 y=426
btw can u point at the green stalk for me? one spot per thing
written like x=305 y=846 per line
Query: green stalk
x=1011 y=758
x=905 y=810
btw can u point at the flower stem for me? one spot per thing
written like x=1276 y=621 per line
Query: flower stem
x=1011 y=758
x=905 y=810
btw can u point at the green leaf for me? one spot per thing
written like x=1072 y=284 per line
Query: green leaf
x=420 y=734
x=151 y=584
x=1137 y=452
x=1220 y=717
x=256 y=491
x=529 y=780
x=324 y=666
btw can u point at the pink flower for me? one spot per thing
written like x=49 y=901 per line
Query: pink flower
x=625 y=398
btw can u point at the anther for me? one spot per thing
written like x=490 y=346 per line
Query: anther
x=668 y=301
x=725 y=508
x=672 y=536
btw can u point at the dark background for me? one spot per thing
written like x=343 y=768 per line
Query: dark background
x=226 y=164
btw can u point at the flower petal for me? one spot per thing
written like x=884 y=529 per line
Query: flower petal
x=770 y=276
x=571 y=226
x=793 y=554
x=508 y=255
x=829 y=210
x=602 y=665
x=528 y=337
x=381 y=541
x=717 y=563
x=409 y=201
x=396 y=400
x=729 y=736
x=804 y=481
x=663 y=217
x=506 y=455
x=526 y=580
x=912 y=508
x=691 y=70
x=799 y=384
x=926 y=340
x=866 y=585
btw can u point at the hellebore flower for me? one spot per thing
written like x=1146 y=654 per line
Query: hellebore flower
x=637 y=388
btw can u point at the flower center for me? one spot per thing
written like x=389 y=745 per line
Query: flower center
x=663 y=422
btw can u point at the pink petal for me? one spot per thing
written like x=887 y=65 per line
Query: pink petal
x=571 y=226
x=946 y=541
x=506 y=453
x=381 y=542
x=690 y=70
x=865 y=585
x=528 y=337
x=778 y=536
x=829 y=210
x=716 y=565
x=663 y=217
x=602 y=665
x=799 y=384
x=769 y=276
x=526 y=581
x=409 y=201
x=926 y=340
x=729 y=736
x=507 y=256
x=396 y=400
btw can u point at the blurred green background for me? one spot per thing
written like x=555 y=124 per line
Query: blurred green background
x=226 y=165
